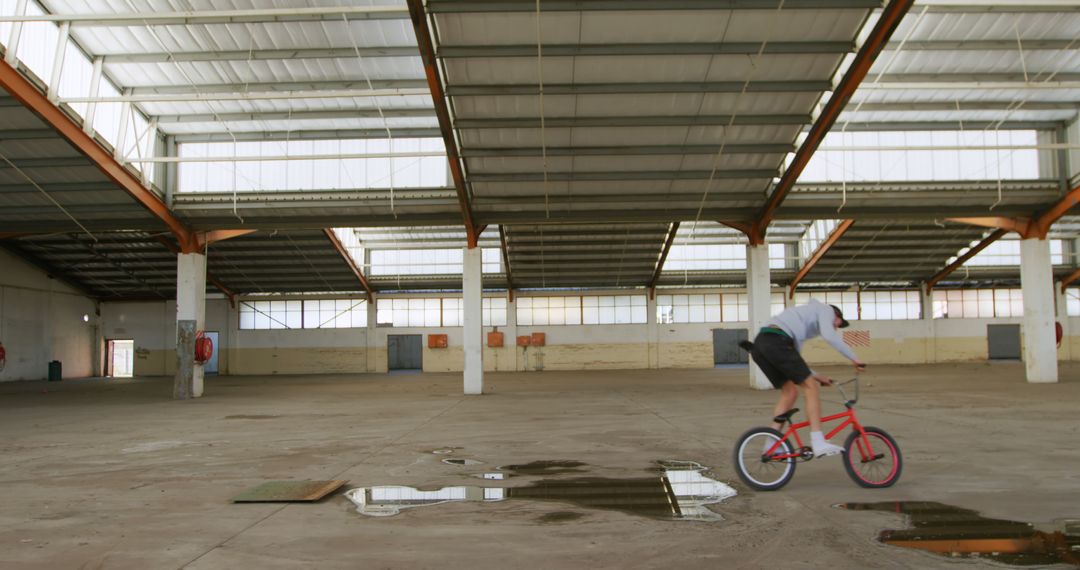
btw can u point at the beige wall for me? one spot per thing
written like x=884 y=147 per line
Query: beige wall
x=152 y=325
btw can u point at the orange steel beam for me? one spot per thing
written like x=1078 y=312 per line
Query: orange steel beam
x=438 y=96
x=746 y=228
x=506 y=262
x=1036 y=227
x=176 y=250
x=1040 y=226
x=27 y=94
x=663 y=257
x=352 y=264
x=822 y=249
x=1069 y=279
x=864 y=59
x=971 y=545
x=963 y=258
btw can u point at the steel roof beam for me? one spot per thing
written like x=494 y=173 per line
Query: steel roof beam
x=822 y=249
x=998 y=6
x=250 y=96
x=1069 y=279
x=287 y=86
x=302 y=134
x=642 y=49
x=622 y=175
x=805 y=86
x=663 y=257
x=207 y=17
x=506 y=261
x=632 y=121
x=960 y=261
x=889 y=20
x=892 y=125
x=961 y=106
x=920 y=81
x=488 y=6
x=262 y=54
x=351 y=263
x=762 y=148
x=292 y=116
x=425 y=40
x=1033 y=44
x=36 y=101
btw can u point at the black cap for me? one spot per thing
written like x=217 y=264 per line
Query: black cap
x=843 y=322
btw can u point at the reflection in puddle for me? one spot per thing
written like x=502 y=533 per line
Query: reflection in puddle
x=546 y=467
x=956 y=532
x=461 y=462
x=679 y=491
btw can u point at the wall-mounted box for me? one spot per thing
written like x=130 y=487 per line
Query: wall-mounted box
x=524 y=340
x=538 y=339
x=437 y=341
x=495 y=339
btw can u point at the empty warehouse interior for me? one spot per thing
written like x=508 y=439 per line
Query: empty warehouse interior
x=497 y=256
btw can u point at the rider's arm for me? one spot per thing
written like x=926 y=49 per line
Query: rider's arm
x=831 y=335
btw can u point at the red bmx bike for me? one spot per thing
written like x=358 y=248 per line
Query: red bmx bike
x=765 y=458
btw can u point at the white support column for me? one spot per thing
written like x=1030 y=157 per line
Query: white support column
x=58 y=62
x=95 y=85
x=472 y=288
x=190 y=318
x=758 y=294
x=653 y=332
x=1037 y=282
x=12 y=45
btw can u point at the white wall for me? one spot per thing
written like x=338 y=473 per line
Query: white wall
x=41 y=320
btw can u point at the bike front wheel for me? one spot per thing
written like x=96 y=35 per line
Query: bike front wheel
x=759 y=471
x=876 y=467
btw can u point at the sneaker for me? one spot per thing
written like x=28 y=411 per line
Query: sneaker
x=826 y=449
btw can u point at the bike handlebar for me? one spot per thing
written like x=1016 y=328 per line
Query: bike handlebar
x=840 y=386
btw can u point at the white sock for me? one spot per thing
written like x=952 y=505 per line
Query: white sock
x=817 y=439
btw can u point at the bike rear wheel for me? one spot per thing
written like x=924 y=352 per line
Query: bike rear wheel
x=875 y=470
x=758 y=471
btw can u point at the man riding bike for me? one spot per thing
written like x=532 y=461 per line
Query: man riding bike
x=776 y=351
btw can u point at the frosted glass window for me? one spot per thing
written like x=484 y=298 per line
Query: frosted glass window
x=345 y=164
x=877 y=156
x=705 y=257
x=494 y=309
x=417 y=261
x=776 y=304
x=268 y=315
x=492 y=260
x=848 y=301
x=889 y=305
x=1072 y=302
x=453 y=313
x=978 y=303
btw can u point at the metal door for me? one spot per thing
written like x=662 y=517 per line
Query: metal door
x=211 y=366
x=726 y=346
x=1003 y=342
x=405 y=352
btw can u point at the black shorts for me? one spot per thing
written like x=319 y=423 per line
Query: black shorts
x=777 y=357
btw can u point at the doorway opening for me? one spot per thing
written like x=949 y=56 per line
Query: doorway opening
x=121 y=358
x=726 y=351
x=405 y=352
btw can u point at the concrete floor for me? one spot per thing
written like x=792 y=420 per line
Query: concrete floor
x=114 y=474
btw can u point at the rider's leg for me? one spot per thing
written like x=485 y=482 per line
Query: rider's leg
x=812 y=395
x=788 y=394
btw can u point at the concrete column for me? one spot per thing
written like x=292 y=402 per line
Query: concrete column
x=510 y=350
x=370 y=336
x=926 y=302
x=472 y=288
x=653 y=333
x=929 y=327
x=1037 y=282
x=190 y=318
x=758 y=293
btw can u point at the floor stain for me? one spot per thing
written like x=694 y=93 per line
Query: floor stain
x=962 y=533
x=559 y=517
x=556 y=467
x=251 y=417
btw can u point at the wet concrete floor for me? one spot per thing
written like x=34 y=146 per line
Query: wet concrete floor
x=117 y=475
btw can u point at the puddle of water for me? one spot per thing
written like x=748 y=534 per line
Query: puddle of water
x=444 y=451
x=681 y=492
x=559 y=517
x=155 y=446
x=461 y=462
x=557 y=467
x=962 y=533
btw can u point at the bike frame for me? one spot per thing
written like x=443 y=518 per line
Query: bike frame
x=849 y=419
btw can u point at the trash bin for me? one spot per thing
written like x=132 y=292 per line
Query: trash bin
x=55 y=371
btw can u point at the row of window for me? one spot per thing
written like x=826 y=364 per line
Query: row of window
x=631 y=309
x=279 y=165
x=390 y=262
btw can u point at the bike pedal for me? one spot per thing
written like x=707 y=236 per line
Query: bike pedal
x=874 y=458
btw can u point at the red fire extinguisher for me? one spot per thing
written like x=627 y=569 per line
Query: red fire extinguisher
x=3 y=356
x=204 y=347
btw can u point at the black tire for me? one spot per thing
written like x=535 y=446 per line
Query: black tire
x=754 y=469
x=877 y=472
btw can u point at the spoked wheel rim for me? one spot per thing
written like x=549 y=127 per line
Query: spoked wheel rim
x=758 y=471
x=873 y=470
